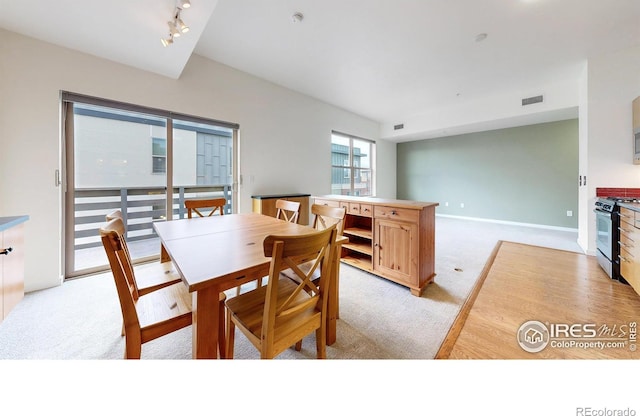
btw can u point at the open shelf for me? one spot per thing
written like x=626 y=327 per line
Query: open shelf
x=359 y=246
x=360 y=261
x=359 y=232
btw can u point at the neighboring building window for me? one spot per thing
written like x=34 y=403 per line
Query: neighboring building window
x=159 y=155
x=352 y=165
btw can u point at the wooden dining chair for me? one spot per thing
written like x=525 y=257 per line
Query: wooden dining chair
x=155 y=314
x=324 y=217
x=197 y=206
x=278 y=315
x=149 y=276
x=287 y=210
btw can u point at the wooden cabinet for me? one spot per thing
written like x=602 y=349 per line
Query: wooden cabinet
x=266 y=204
x=629 y=241
x=394 y=239
x=11 y=263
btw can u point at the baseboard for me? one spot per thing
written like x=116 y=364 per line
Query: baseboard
x=519 y=224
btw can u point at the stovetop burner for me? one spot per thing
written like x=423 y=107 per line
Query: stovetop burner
x=621 y=199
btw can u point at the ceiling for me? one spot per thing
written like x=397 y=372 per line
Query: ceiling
x=383 y=59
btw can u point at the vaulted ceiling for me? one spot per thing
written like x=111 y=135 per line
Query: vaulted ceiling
x=382 y=59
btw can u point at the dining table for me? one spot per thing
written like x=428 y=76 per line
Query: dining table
x=221 y=252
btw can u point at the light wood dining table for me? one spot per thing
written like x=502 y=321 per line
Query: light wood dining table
x=214 y=254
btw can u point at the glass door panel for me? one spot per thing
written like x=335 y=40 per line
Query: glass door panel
x=119 y=162
x=203 y=156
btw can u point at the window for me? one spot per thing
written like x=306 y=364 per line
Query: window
x=159 y=155
x=352 y=171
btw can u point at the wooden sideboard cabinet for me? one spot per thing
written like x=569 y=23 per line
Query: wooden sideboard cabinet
x=11 y=263
x=390 y=238
x=266 y=204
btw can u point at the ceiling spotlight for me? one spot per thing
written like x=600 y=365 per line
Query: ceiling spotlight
x=182 y=26
x=185 y=4
x=173 y=30
x=297 y=17
x=166 y=42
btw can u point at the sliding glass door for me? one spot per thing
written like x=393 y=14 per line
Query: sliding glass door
x=143 y=162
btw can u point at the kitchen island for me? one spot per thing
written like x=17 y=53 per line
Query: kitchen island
x=391 y=238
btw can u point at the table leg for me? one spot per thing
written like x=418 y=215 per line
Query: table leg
x=205 y=323
x=164 y=256
x=332 y=313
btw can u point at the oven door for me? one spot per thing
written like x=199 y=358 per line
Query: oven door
x=604 y=232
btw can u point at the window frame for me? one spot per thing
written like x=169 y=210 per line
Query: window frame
x=351 y=168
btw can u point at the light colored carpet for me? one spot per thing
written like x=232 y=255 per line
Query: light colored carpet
x=81 y=319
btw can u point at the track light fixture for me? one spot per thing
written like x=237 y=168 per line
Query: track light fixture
x=176 y=24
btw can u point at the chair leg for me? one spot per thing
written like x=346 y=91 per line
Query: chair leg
x=299 y=345
x=132 y=347
x=230 y=338
x=321 y=343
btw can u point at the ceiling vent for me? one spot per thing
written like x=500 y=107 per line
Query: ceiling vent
x=398 y=127
x=532 y=100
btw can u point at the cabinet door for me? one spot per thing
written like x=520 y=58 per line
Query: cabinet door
x=396 y=250
x=13 y=268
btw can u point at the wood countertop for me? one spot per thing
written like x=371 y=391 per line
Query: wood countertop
x=397 y=203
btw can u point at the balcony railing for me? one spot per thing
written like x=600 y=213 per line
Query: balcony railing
x=140 y=207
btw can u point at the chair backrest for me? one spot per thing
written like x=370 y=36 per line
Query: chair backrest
x=120 y=263
x=114 y=214
x=326 y=216
x=287 y=210
x=116 y=225
x=195 y=205
x=291 y=252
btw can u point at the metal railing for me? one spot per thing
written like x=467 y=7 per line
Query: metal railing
x=140 y=207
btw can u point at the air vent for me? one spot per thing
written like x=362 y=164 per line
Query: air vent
x=398 y=127
x=532 y=100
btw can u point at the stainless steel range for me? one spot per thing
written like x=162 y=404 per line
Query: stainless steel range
x=607 y=213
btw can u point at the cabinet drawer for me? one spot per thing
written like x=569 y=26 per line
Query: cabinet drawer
x=366 y=210
x=345 y=205
x=354 y=208
x=627 y=216
x=628 y=240
x=401 y=214
x=328 y=202
x=627 y=264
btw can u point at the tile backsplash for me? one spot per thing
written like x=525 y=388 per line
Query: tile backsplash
x=619 y=192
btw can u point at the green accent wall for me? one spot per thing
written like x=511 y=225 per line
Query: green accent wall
x=523 y=174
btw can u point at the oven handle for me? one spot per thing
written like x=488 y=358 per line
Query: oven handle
x=603 y=213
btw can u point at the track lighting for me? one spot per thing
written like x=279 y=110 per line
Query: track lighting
x=176 y=25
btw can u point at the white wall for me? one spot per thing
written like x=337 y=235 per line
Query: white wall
x=613 y=83
x=284 y=136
